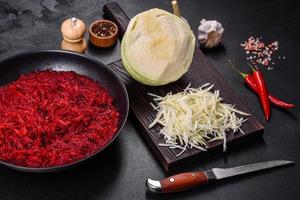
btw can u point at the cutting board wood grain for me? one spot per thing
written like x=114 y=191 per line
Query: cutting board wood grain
x=201 y=71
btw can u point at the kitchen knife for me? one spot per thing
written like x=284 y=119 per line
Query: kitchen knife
x=192 y=179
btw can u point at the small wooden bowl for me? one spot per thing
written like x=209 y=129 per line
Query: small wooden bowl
x=106 y=41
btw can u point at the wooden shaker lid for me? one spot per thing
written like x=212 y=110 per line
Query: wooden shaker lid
x=73 y=29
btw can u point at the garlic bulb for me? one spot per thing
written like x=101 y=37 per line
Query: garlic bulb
x=210 y=33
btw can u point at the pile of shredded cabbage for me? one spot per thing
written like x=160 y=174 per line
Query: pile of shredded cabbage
x=195 y=117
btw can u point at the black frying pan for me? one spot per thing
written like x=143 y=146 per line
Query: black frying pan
x=13 y=67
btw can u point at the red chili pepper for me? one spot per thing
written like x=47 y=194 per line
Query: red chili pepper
x=262 y=92
x=249 y=80
x=280 y=103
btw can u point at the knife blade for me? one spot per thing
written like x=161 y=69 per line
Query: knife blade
x=189 y=180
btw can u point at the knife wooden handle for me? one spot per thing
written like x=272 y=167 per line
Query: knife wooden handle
x=178 y=182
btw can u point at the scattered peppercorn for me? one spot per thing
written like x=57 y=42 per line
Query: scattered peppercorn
x=259 y=53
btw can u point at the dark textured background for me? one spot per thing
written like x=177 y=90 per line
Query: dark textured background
x=120 y=172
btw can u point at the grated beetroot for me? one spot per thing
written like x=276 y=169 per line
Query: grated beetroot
x=51 y=118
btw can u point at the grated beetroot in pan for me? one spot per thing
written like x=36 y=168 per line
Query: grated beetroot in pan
x=50 y=118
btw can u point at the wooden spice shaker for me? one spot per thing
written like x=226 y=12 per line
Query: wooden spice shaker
x=73 y=31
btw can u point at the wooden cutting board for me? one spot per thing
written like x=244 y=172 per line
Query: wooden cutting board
x=201 y=71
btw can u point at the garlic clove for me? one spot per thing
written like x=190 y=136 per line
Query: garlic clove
x=210 y=33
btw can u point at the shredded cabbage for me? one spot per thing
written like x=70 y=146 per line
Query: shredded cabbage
x=195 y=117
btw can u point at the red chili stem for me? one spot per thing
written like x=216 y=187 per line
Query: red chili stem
x=235 y=69
x=252 y=67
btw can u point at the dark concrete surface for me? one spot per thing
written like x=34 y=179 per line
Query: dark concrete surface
x=120 y=172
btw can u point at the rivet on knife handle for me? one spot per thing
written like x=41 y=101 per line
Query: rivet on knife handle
x=177 y=182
